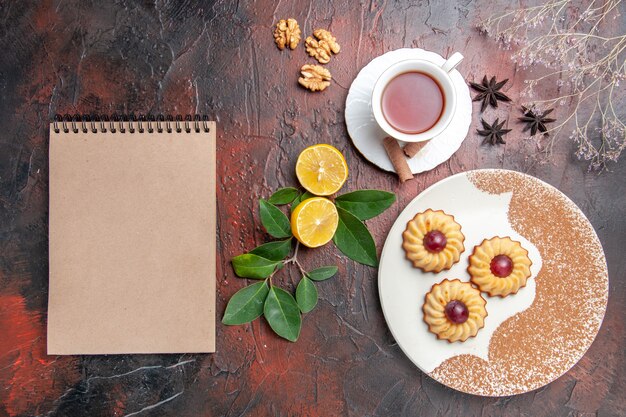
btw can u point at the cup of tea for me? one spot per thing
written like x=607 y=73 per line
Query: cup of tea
x=414 y=100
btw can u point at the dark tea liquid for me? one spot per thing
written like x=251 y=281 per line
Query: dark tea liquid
x=412 y=102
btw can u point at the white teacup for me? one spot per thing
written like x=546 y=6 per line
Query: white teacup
x=439 y=73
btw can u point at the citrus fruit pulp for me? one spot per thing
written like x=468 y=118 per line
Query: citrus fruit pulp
x=321 y=169
x=314 y=221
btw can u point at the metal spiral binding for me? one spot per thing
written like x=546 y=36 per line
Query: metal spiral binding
x=114 y=123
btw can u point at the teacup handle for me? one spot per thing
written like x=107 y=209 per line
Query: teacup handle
x=452 y=62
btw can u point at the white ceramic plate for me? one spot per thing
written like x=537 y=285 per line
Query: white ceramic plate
x=514 y=352
x=367 y=136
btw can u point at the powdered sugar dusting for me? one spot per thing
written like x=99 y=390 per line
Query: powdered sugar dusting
x=541 y=343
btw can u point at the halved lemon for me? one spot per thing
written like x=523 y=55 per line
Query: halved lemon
x=321 y=169
x=314 y=221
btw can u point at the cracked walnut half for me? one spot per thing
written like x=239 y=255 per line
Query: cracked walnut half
x=314 y=77
x=287 y=33
x=323 y=46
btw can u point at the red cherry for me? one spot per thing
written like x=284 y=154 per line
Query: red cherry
x=435 y=241
x=457 y=312
x=501 y=266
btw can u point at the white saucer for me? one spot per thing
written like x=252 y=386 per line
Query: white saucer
x=368 y=137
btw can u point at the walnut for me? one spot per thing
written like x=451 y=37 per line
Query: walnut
x=287 y=33
x=324 y=35
x=322 y=48
x=319 y=50
x=314 y=77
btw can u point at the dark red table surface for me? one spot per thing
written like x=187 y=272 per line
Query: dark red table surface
x=219 y=59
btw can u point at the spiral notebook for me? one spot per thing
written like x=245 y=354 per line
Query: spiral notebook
x=132 y=235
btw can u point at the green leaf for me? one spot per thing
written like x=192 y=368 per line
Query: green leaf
x=323 y=273
x=283 y=314
x=306 y=294
x=246 y=305
x=354 y=240
x=274 y=251
x=284 y=196
x=366 y=204
x=250 y=265
x=300 y=199
x=274 y=220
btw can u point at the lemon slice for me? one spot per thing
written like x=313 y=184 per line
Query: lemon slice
x=321 y=169
x=314 y=221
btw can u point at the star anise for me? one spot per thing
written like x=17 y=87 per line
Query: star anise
x=536 y=120
x=493 y=133
x=489 y=92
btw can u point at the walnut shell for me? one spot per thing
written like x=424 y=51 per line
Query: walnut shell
x=314 y=77
x=287 y=33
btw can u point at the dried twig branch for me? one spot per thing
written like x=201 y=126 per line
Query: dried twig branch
x=569 y=38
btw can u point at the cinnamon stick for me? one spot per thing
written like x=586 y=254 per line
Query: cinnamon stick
x=397 y=159
x=411 y=149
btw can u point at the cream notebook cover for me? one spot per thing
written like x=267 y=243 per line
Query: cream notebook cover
x=132 y=237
